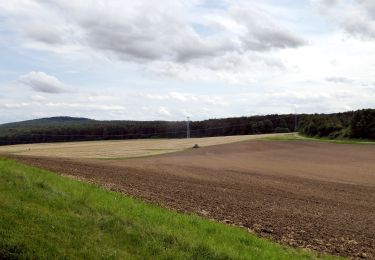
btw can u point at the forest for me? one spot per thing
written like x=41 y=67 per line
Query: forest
x=358 y=124
x=62 y=129
x=355 y=124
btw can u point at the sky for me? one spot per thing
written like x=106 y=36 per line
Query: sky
x=169 y=59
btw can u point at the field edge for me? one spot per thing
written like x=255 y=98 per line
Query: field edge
x=300 y=137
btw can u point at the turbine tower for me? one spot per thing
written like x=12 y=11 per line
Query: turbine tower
x=188 y=127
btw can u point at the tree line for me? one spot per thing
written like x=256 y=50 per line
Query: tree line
x=358 y=124
x=355 y=124
x=62 y=129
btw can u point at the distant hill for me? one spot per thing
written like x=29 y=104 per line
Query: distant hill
x=60 y=120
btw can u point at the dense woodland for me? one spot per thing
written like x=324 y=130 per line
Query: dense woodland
x=356 y=124
x=60 y=129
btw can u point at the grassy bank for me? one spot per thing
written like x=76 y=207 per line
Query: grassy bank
x=299 y=137
x=46 y=216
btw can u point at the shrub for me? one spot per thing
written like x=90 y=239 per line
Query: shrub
x=282 y=130
x=363 y=124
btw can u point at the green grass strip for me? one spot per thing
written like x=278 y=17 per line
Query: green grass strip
x=47 y=216
x=299 y=137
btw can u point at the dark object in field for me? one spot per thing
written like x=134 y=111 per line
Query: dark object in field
x=196 y=146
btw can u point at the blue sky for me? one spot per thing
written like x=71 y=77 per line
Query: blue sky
x=176 y=58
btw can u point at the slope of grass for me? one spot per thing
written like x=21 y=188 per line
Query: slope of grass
x=299 y=137
x=46 y=216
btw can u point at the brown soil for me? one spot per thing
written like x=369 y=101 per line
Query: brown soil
x=304 y=194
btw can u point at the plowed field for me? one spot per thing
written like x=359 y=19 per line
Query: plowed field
x=305 y=194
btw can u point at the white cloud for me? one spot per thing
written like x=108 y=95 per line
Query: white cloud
x=145 y=31
x=340 y=80
x=100 y=98
x=145 y=60
x=191 y=98
x=164 y=111
x=260 y=33
x=42 y=82
x=38 y=98
x=356 y=17
x=86 y=106
x=44 y=33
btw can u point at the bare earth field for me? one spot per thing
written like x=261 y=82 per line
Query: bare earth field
x=305 y=194
x=121 y=149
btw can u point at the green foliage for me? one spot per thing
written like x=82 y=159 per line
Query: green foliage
x=358 y=124
x=363 y=124
x=62 y=129
x=45 y=216
x=282 y=130
x=283 y=124
x=258 y=127
x=299 y=137
x=320 y=125
x=268 y=126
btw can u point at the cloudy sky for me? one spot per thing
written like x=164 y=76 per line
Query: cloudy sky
x=168 y=59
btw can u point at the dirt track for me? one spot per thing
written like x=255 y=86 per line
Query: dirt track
x=305 y=194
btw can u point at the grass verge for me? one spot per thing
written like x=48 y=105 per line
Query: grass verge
x=46 y=216
x=299 y=137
